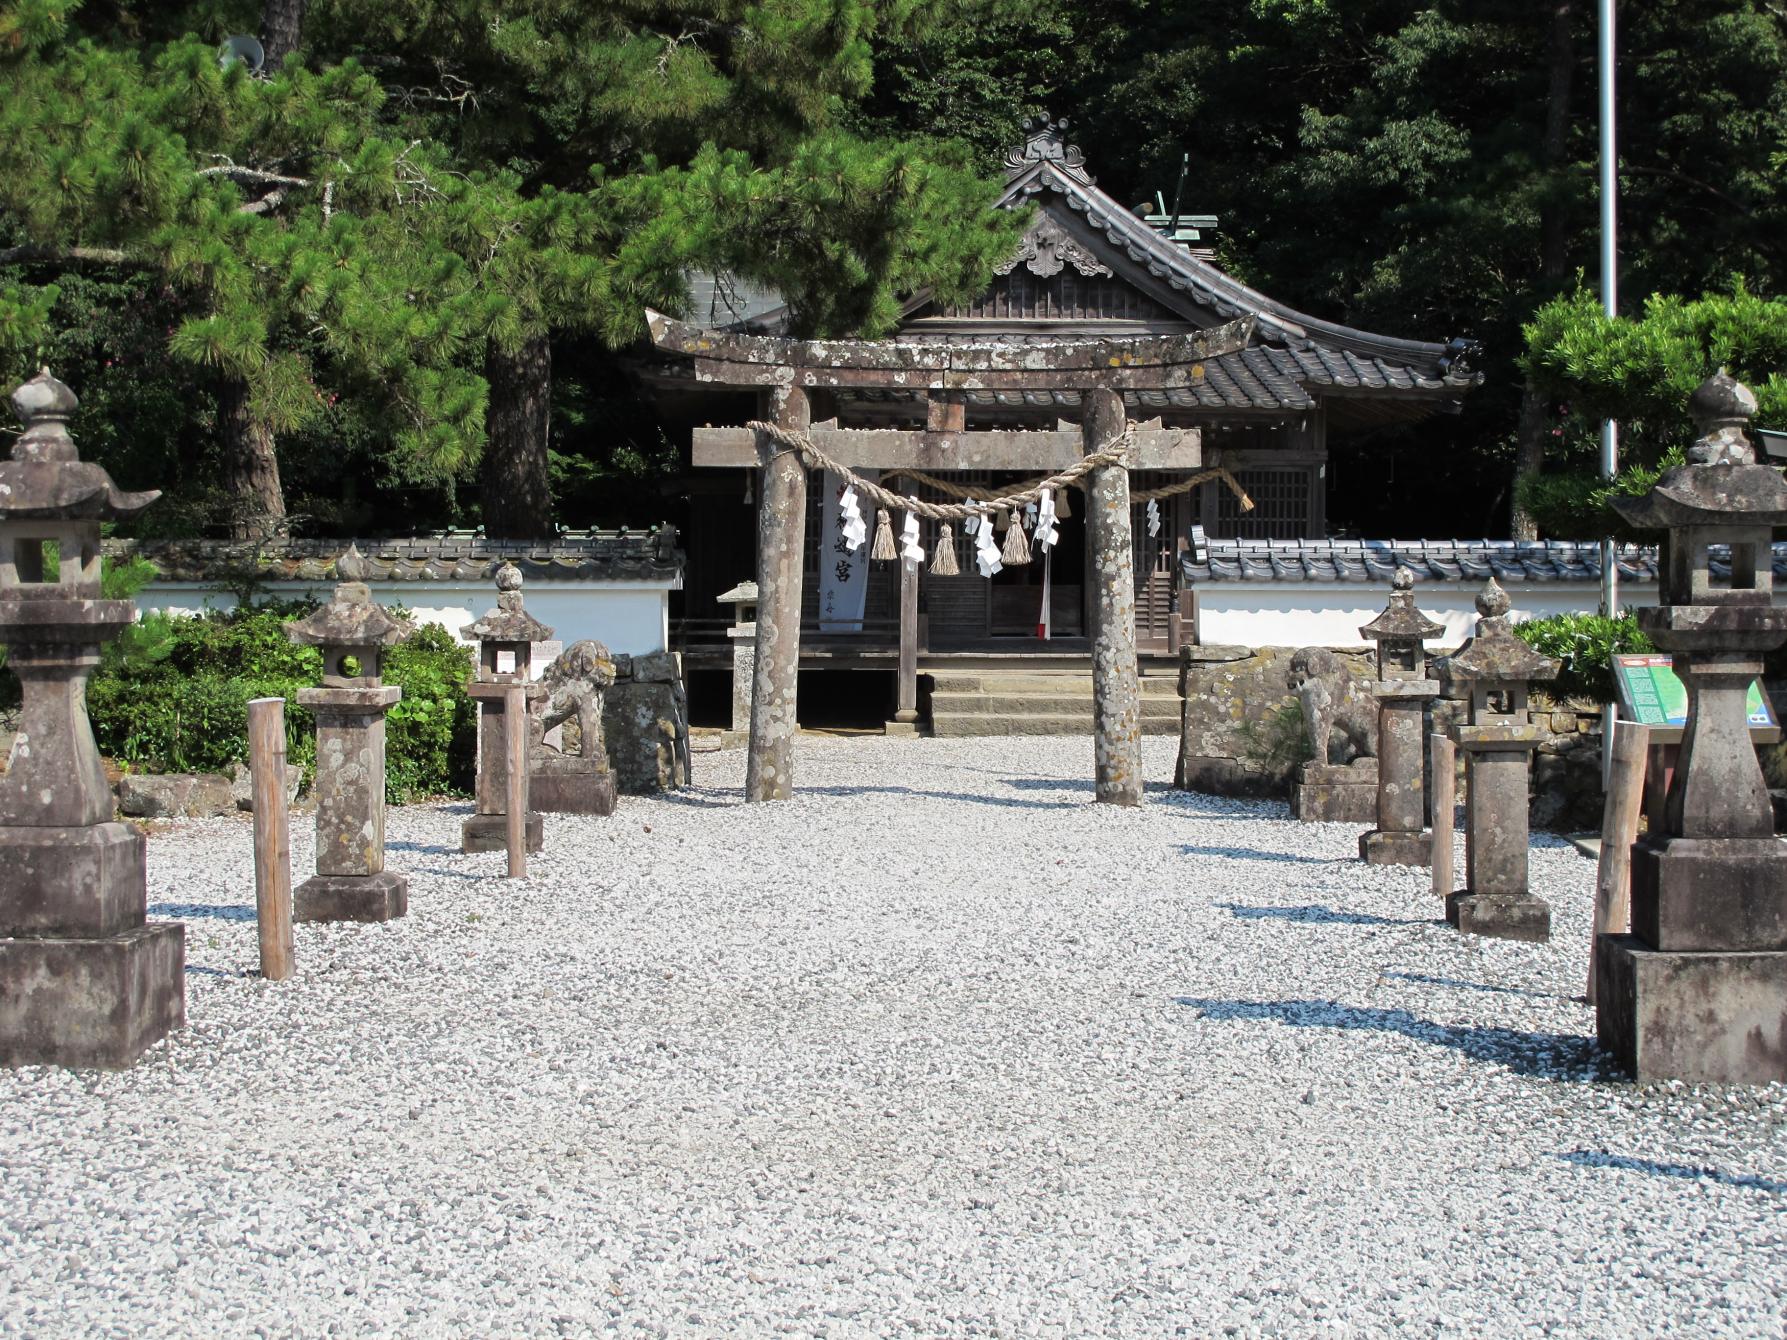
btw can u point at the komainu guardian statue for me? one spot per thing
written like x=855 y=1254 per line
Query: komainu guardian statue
x=573 y=778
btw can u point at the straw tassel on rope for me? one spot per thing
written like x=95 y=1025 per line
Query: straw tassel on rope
x=943 y=560
x=1017 y=545
x=884 y=541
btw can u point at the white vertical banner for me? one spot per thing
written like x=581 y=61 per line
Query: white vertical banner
x=843 y=574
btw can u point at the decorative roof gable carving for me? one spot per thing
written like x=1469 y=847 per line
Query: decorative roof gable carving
x=1047 y=248
x=1043 y=144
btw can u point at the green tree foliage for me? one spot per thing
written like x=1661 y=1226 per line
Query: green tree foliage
x=1640 y=371
x=412 y=205
x=1585 y=645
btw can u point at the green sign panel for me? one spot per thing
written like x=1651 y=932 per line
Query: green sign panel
x=1652 y=695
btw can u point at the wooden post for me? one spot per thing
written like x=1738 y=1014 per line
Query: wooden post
x=1445 y=800
x=1619 y=830
x=906 y=708
x=515 y=723
x=272 y=837
x=781 y=539
x=1116 y=688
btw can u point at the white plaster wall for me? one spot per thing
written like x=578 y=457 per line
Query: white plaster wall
x=628 y=617
x=1330 y=614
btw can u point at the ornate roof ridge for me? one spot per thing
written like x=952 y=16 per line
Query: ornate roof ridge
x=1032 y=173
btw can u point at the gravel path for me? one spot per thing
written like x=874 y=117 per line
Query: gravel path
x=938 y=1048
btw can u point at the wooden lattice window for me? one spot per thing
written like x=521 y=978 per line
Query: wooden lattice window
x=1281 y=506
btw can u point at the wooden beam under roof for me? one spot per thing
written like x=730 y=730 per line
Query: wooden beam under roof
x=1142 y=362
x=1154 y=448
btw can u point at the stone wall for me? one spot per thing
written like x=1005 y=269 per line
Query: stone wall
x=645 y=717
x=1239 y=721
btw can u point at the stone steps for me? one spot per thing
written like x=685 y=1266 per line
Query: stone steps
x=1032 y=702
x=1054 y=704
x=947 y=725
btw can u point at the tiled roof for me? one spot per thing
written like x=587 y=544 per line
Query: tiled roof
x=1376 y=561
x=594 y=555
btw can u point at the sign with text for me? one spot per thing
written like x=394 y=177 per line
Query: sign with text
x=1651 y=693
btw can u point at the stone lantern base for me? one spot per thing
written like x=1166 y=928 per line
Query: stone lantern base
x=1705 y=1017
x=83 y=981
x=97 y=1001
x=379 y=897
x=1502 y=916
x=1698 y=990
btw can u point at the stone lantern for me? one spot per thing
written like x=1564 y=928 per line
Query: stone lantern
x=743 y=634
x=85 y=980
x=351 y=882
x=1402 y=691
x=1497 y=740
x=1698 y=990
x=505 y=638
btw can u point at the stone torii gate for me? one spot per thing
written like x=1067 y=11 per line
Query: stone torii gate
x=787 y=371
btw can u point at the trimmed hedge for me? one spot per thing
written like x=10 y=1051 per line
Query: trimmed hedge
x=1586 y=644
x=173 y=697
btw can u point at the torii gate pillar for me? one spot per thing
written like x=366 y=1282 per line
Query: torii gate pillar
x=781 y=538
x=1116 y=690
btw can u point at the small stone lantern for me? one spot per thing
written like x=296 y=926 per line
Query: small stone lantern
x=1698 y=990
x=1498 y=741
x=1402 y=691
x=351 y=882
x=85 y=980
x=505 y=638
x=743 y=633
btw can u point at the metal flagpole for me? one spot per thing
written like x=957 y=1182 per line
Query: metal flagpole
x=1609 y=283
x=1609 y=305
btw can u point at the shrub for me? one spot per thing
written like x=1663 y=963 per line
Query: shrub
x=175 y=698
x=1586 y=645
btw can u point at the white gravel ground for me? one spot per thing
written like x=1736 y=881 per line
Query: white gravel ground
x=939 y=1048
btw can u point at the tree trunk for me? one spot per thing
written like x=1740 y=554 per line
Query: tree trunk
x=1529 y=442
x=517 y=490
x=250 y=468
x=282 y=23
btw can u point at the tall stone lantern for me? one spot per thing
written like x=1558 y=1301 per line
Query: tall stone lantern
x=1497 y=740
x=505 y=638
x=1698 y=990
x=85 y=980
x=743 y=635
x=1402 y=691
x=351 y=882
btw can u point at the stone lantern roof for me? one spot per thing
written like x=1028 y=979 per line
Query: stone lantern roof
x=46 y=478
x=1721 y=484
x=1494 y=653
x=1401 y=621
x=352 y=618
x=508 y=622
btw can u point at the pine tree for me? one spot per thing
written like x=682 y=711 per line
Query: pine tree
x=415 y=197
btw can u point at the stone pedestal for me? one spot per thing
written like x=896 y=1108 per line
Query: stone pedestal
x=1332 y=793
x=568 y=784
x=1704 y=1017
x=1401 y=836
x=744 y=671
x=84 y=980
x=1496 y=900
x=351 y=882
x=488 y=829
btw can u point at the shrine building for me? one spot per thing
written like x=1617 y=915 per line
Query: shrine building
x=1250 y=422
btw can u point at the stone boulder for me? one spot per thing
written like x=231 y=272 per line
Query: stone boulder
x=242 y=784
x=645 y=716
x=1241 y=729
x=179 y=795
